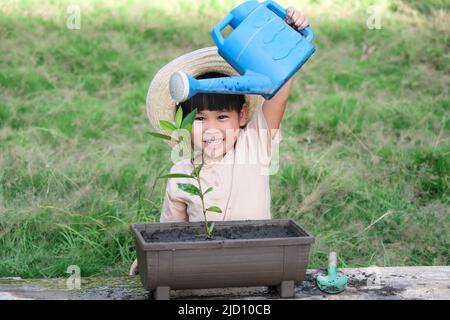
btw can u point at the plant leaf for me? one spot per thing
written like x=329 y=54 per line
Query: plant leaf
x=167 y=125
x=208 y=190
x=189 y=188
x=188 y=127
x=179 y=117
x=189 y=119
x=160 y=135
x=197 y=169
x=175 y=175
x=214 y=209
x=211 y=228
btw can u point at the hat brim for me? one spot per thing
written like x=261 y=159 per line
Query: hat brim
x=159 y=103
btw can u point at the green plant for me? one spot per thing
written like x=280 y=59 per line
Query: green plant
x=175 y=127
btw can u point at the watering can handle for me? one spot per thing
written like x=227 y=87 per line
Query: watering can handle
x=281 y=12
x=217 y=30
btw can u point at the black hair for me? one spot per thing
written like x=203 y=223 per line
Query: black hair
x=213 y=101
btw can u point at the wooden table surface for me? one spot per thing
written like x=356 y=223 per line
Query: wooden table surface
x=364 y=283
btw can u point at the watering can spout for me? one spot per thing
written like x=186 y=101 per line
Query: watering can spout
x=183 y=86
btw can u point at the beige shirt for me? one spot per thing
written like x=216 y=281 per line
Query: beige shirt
x=240 y=180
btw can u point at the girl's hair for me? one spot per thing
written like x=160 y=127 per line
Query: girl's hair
x=213 y=101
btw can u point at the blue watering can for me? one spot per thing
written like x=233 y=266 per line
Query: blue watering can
x=262 y=47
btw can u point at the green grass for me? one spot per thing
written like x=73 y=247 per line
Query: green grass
x=365 y=157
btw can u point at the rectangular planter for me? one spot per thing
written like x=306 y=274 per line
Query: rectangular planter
x=222 y=263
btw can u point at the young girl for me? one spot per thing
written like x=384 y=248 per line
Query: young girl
x=237 y=135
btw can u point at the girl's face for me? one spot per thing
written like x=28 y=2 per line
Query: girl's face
x=215 y=132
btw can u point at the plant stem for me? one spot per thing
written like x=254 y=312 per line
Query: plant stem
x=203 y=206
x=197 y=178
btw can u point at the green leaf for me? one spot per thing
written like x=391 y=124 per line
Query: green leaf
x=175 y=175
x=160 y=135
x=188 y=127
x=179 y=117
x=189 y=119
x=167 y=125
x=211 y=228
x=208 y=190
x=214 y=209
x=197 y=169
x=189 y=188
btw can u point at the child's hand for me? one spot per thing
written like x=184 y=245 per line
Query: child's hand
x=296 y=19
x=134 y=268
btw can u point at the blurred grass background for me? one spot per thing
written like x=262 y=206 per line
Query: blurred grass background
x=365 y=160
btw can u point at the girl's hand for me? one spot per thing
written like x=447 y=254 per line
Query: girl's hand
x=296 y=19
x=134 y=268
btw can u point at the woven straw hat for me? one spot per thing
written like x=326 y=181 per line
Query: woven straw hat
x=161 y=106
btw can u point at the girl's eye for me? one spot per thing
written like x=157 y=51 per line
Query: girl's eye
x=199 y=118
x=223 y=117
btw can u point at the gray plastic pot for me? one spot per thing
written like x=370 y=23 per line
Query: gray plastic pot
x=222 y=263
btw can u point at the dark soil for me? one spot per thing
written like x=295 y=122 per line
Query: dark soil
x=228 y=233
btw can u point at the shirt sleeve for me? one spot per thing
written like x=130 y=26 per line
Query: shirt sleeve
x=258 y=132
x=174 y=209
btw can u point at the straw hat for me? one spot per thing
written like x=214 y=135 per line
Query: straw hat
x=161 y=106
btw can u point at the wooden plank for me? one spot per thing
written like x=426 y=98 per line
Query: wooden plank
x=364 y=283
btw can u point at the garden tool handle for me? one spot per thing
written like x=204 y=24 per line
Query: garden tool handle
x=332 y=259
x=332 y=264
x=281 y=12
